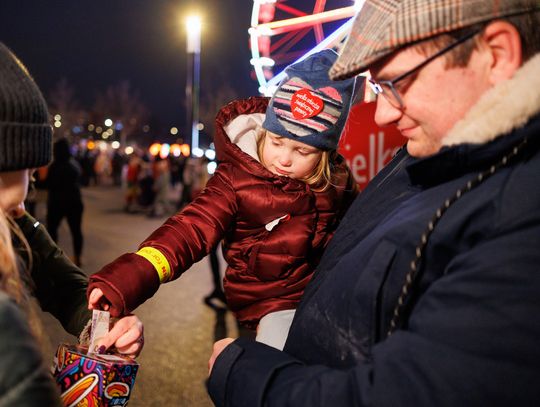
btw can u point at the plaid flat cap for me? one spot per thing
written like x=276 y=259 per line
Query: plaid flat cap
x=384 y=26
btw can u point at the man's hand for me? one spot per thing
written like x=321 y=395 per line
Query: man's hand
x=127 y=335
x=218 y=348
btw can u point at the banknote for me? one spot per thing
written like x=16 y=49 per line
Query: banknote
x=100 y=328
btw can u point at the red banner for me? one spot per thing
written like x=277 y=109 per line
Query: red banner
x=366 y=146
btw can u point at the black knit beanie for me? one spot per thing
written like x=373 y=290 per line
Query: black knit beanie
x=25 y=132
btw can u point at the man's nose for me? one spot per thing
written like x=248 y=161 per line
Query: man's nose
x=386 y=114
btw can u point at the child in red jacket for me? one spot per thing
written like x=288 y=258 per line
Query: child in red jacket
x=275 y=200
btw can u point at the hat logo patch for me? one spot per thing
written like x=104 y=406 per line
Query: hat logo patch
x=305 y=104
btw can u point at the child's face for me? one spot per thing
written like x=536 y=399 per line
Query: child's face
x=289 y=158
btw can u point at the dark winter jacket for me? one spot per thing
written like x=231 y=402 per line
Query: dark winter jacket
x=274 y=228
x=60 y=289
x=468 y=220
x=58 y=284
x=24 y=379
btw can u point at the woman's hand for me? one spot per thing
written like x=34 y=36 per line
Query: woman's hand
x=218 y=348
x=127 y=335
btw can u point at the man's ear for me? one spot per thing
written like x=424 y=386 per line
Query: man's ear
x=504 y=45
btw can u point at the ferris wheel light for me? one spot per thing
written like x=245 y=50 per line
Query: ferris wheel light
x=268 y=90
x=262 y=61
x=291 y=24
x=265 y=46
x=264 y=30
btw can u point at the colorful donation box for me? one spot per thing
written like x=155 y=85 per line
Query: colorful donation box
x=367 y=147
x=93 y=380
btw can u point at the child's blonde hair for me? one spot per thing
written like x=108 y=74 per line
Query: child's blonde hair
x=320 y=178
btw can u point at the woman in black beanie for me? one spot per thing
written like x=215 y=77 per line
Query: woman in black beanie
x=39 y=268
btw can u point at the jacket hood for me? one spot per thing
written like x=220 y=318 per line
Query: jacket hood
x=505 y=107
x=235 y=140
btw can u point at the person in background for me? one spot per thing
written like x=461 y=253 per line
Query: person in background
x=117 y=163
x=87 y=159
x=64 y=199
x=427 y=294
x=146 y=184
x=132 y=182
x=275 y=199
x=47 y=274
x=103 y=168
x=190 y=172
x=161 y=186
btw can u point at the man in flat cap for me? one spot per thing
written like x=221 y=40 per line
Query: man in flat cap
x=428 y=292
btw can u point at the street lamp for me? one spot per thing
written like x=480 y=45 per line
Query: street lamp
x=193 y=28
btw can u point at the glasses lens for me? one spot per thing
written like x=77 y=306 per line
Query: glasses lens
x=387 y=90
x=391 y=94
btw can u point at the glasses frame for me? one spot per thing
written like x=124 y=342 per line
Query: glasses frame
x=377 y=86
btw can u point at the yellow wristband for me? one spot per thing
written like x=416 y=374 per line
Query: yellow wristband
x=159 y=262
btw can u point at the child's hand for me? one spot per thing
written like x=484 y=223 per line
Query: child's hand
x=97 y=300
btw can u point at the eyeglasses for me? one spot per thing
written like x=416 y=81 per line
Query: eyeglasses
x=387 y=88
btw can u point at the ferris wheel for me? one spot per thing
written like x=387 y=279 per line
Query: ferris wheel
x=285 y=31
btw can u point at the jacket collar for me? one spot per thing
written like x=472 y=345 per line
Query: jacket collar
x=505 y=107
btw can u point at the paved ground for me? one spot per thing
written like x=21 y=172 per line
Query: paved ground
x=179 y=328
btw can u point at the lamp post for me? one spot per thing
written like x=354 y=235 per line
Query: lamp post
x=193 y=28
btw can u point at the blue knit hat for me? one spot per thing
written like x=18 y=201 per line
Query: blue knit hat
x=309 y=107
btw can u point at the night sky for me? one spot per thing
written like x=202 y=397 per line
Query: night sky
x=94 y=44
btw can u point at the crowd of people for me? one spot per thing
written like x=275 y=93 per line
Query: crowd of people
x=422 y=290
x=159 y=187
x=151 y=185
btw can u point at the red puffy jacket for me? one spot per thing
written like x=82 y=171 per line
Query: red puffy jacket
x=274 y=229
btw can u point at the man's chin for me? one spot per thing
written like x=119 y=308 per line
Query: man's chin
x=412 y=148
x=419 y=150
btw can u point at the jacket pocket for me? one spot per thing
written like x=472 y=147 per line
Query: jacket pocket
x=253 y=253
x=258 y=264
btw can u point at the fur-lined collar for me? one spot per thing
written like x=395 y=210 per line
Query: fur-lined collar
x=506 y=107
